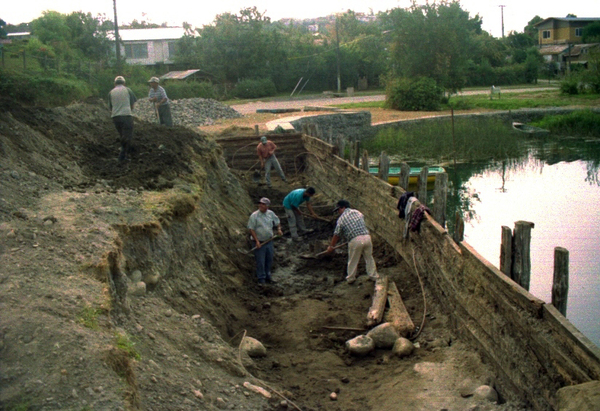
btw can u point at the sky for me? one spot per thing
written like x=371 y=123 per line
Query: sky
x=516 y=13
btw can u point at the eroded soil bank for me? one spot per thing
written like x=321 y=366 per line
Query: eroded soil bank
x=80 y=233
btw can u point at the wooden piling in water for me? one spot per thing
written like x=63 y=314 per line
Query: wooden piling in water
x=384 y=166
x=422 y=192
x=404 y=176
x=560 y=283
x=356 y=154
x=506 y=251
x=459 y=228
x=521 y=262
x=365 y=161
x=440 y=195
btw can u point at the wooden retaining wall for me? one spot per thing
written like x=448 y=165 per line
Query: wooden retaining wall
x=240 y=151
x=533 y=348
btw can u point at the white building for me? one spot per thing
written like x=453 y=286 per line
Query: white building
x=150 y=46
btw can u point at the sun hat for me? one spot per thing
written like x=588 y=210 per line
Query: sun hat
x=264 y=201
x=120 y=80
x=341 y=204
x=263 y=139
x=154 y=80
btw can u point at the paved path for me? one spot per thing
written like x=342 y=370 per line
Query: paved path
x=251 y=107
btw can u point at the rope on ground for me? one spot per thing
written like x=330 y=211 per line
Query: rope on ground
x=424 y=298
x=256 y=380
x=307 y=152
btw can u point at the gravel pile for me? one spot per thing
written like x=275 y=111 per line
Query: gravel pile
x=191 y=112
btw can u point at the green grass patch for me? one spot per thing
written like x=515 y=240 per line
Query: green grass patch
x=125 y=344
x=514 y=101
x=474 y=140
x=88 y=317
x=364 y=104
x=578 y=123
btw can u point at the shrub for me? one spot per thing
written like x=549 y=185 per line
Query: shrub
x=254 y=88
x=177 y=90
x=569 y=85
x=413 y=95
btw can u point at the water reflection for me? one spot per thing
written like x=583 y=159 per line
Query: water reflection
x=556 y=185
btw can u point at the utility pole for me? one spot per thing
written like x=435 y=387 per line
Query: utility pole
x=337 y=39
x=502 y=17
x=117 y=39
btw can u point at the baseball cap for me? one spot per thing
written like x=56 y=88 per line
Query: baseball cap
x=341 y=204
x=120 y=80
x=264 y=201
x=263 y=139
x=154 y=80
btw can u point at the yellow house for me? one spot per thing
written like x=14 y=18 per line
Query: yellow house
x=566 y=30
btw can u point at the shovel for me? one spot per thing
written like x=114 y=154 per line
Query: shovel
x=248 y=252
x=316 y=256
x=317 y=217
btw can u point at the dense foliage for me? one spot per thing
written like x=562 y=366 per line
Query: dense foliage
x=413 y=95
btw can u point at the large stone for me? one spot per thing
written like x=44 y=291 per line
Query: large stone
x=403 y=347
x=384 y=335
x=485 y=392
x=581 y=397
x=361 y=345
x=253 y=347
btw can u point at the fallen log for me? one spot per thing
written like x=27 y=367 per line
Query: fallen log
x=397 y=314
x=377 y=309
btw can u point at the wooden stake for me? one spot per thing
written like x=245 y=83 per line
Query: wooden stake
x=440 y=195
x=422 y=196
x=377 y=309
x=521 y=271
x=560 y=284
x=506 y=251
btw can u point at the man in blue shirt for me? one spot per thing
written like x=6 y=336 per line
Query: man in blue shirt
x=291 y=204
x=351 y=225
x=261 y=225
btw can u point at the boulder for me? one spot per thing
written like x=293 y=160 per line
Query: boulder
x=403 y=347
x=361 y=345
x=581 y=397
x=384 y=335
x=253 y=347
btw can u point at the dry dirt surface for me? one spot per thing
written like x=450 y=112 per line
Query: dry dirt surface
x=123 y=288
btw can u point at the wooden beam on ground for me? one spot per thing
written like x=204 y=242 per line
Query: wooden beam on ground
x=377 y=309
x=397 y=314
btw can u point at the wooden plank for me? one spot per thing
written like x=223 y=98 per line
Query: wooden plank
x=398 y=315
x=377 y=309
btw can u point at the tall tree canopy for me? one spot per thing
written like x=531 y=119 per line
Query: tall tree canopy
x=433 y=40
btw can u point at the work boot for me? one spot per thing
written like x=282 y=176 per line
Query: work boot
x=271 y=281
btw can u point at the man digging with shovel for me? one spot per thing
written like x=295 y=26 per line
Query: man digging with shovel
x=261 y=225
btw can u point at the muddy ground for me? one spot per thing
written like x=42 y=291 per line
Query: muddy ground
x=122 y=286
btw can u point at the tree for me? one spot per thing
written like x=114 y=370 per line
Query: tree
x=531 y=30
x=433 y=40
x=2 y=31
x=591 y=33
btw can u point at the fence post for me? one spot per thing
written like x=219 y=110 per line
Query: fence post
x=404 y=176
x=459 y=228
x=256 y=129
x=356 y=153
x=422 y=192
x=506 y=251
x=384 y=166
x=365 y=161
x=440 y=195
x=560 y=283
x=521 y=271
x=341 y=143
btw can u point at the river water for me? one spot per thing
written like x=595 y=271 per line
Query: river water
x=555 y=186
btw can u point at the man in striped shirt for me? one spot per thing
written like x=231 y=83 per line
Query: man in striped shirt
x=158 y=96
x=351 y=226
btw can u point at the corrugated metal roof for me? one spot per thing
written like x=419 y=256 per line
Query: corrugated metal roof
x=588 y=19
x=556 y=49
x=161 y=33
x=178 y=75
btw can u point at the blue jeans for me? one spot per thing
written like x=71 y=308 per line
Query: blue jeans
x=264 y=261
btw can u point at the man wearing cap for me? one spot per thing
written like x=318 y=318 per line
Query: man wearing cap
x=261 y=225
x=266 y=154
x=291 y=204
x=121 y=101
x=158 y=96
x=351 y=226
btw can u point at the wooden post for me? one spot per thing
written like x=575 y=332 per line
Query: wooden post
x=365 y=161
x=404 y=176
x=256 y=129
x=521 y=271
x=459 y=228
x=384 y=166
x=560 y=284
x=341 y=146
x=440 y=195
x=380 y=296
x=305 y=128
x=356 y=153
x=506 y=251
x=422 y=192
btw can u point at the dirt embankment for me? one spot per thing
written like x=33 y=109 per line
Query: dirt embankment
x=122 y=288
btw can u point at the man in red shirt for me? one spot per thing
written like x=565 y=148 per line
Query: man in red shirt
x=266 y=154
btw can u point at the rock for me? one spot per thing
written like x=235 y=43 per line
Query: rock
x=384 y=335
x=467 y=388
x=253 y=347
x=403 y=347
x=136 y=276
x=333 y=396
x=361 y=345
x=137 y=289
x=485 y=392
x=581 y=397
x=198 y=394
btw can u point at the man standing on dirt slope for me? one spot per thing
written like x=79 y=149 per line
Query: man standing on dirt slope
x=291 y=204
x=261 y=225
x=266 y=154
x=121 y=101
x=351 y=226
x=158 y=96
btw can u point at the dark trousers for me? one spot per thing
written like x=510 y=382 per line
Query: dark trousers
x=124 y=126
x=264 y=261
x=164 y=115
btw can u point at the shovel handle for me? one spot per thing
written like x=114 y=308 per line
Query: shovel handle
x=335 y=248
x=265 y=242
